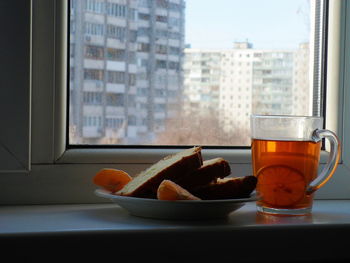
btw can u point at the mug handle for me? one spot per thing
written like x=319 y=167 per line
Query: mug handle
x=332 y=161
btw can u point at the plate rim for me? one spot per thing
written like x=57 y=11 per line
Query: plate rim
x=107 y=194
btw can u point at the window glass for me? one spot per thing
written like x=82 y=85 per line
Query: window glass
x=187 y=72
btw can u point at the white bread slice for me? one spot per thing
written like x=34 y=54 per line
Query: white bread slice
x=172 y=167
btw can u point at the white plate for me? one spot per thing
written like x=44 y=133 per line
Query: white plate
x=184 y=209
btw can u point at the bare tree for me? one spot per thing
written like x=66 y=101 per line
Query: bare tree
x=201 y=127
x=73 y=135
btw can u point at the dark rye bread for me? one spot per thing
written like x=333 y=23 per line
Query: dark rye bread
x=227 y=188
x=210 y=171
x=172 y=167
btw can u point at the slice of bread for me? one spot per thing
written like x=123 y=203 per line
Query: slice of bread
x=227 y=188
x=172 y=167
x=210 y=171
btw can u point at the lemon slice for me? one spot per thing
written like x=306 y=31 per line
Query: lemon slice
x=281 y=185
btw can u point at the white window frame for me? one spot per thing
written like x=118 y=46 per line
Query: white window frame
x=15 y=80
x=60 y=175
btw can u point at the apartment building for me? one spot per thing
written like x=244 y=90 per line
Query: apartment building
x=302 y=81
x=202 y=72
x=272 y=87
x=125 y=77
x=281 y=82
x=246 y=80
x=235 y=102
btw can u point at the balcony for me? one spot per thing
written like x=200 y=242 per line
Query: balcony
x=115 y=65
x=94 y=39
x=115 y=88
x=93 y=85
x=93 y=64
x=92 y=132
x=114 y=111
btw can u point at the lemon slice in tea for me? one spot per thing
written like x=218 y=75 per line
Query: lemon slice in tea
x=281 y=185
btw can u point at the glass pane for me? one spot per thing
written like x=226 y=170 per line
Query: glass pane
x=176 y=72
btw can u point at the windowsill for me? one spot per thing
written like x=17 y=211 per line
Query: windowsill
x=243 y=235
x=149 y=156
x=145 y=155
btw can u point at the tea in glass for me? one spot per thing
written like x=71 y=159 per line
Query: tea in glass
x=284 y=169
x=285 y=157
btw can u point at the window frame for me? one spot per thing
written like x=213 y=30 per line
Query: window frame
x=15 y=150
x=125 y=155
x=54 y=168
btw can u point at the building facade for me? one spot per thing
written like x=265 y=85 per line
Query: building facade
x=202 y=71
x=236 y=87
x=245 y=81
x=125 y=69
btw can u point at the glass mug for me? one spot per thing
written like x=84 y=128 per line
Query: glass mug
x=285 y=157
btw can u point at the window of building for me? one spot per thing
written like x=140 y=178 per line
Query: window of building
x=174 y=50
x=115 y=9
x=161 y=64
x=132 y=35
x=143 y=31
x=132 y=120
x=116 y=77
x=114 y=122
x=174 y=21
x=94 y=52
x=115 y=99
x=92 y=121
x=144 y=16
x=92 y=97
x=93 y=74
x=162 y=3
x=116 y=32
x=161 y=49
x=143 y=47
x=94 y=29
x=163 y=19
x=116 y=54
x=95 y=6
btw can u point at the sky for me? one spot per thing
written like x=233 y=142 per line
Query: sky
x=267 y=24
